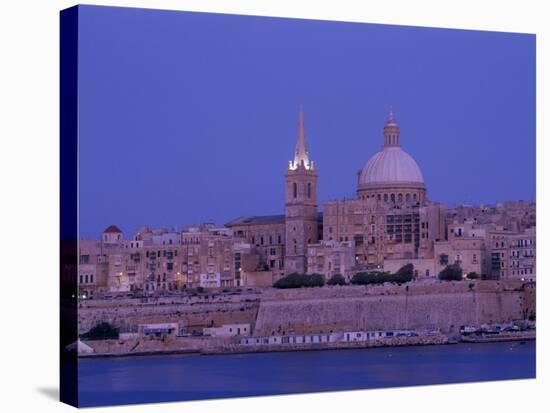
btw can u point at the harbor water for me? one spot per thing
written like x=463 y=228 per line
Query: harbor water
x=152 y=379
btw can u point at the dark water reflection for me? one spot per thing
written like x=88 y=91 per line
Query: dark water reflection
x=190 y=377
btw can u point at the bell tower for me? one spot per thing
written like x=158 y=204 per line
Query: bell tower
x=300 y=204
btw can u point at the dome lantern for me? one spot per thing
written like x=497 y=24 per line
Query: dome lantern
x=391 y=130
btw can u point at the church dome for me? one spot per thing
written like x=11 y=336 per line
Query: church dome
x=392 y=165
x=391 y=174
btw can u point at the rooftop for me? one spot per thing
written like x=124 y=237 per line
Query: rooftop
x=112 y=229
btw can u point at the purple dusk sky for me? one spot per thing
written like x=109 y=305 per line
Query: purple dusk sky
x=188 y=117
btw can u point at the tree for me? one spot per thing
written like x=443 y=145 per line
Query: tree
x=472 y=275
x=451 y=272
x=337 y=279
x=406 y=270
x=362 y=278
x=102 y=331
x=365 y=278
x=403 y=275
x=296 y=280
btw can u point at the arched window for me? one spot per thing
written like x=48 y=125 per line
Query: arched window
x=295 y=190
x=408 y=198
x=379 y=197
x=392 y=197
x=309 y=189
x=400 y=198
x=414 y=197
x=385 y=197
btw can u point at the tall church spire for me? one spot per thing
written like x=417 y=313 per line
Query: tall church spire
x=301 y=155
x=391 y=130
x=301 y=219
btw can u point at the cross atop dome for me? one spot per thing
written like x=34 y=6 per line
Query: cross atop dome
x=301 y=155
x=391 y=130
x=391 y=116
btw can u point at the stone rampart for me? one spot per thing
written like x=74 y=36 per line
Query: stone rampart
x=194 y=313
x=439 y=305
x=418 y=305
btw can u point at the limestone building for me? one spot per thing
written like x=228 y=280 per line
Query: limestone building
x=391 y=222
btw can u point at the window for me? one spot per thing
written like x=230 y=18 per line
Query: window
x=295 y=190
x=309 y=189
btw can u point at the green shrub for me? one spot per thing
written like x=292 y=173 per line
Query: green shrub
x=102 y=331
x=336 y=279
x=406 y=271
x=451 y=272
x=296 y=280
x=403 y=275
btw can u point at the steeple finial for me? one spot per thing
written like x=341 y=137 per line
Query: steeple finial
x=301 y=155
x=391 y=117
x=391 y=130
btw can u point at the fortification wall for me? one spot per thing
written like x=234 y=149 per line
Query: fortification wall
x=444 y=305
x=195 y=313
x=417 y=305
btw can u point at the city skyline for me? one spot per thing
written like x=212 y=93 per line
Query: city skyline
x=164 y=153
